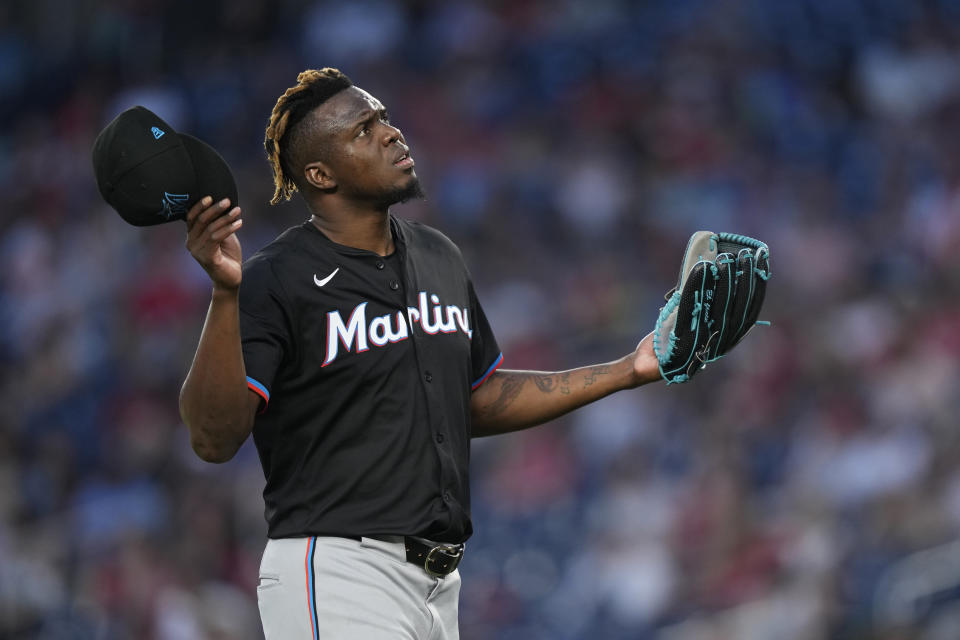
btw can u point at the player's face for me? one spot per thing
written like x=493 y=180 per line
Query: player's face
x=368 y=157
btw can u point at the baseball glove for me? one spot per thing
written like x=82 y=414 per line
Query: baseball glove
x=723 y=280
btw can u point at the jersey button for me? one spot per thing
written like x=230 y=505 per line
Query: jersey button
x=380 y=264
x=439 y=438
x=447 y=497
x=394 y=285
x=428 y=376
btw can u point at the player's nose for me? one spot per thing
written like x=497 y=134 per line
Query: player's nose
x=391 y=134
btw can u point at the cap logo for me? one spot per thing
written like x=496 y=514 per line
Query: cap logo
x=157 y=132
x=174 y=204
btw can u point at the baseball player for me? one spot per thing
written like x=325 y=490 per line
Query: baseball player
x=358 y=355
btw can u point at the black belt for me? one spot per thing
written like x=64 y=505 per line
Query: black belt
x=437 y=560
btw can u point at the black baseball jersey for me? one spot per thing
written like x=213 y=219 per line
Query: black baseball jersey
x=365 y=365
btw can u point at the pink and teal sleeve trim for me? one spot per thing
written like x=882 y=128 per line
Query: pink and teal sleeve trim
x=258 y=389
x=496 y=364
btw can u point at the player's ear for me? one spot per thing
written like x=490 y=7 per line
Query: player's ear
x=318 y=175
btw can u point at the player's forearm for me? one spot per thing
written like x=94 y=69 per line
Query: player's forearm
x=515 y=400
x=214 y=396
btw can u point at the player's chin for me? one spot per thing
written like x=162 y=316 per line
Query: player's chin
x=410 y=189
x=407 y=176
x=400 y=191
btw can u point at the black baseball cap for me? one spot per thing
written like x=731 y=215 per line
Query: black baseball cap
x=151 y=174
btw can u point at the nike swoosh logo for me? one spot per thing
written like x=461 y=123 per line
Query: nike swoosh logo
x=320 y=282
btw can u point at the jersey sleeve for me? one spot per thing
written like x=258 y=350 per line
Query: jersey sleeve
x=485 y=354
x=264 y=327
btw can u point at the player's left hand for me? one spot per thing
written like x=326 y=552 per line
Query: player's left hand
x=645 y=365
x=718 y=296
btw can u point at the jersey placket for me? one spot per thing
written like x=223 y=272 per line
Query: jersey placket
x=425 y=356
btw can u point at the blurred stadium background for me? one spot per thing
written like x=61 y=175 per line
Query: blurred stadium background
x=807 y=487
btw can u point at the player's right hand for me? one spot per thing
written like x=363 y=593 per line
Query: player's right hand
x=212 y=240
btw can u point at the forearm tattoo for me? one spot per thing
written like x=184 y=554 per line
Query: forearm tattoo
x=550 y=382
x=511 y=385
x=565 y=383
x=591 y=376
x=545 y=383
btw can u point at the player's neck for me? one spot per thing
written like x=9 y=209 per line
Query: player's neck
x=369 y=230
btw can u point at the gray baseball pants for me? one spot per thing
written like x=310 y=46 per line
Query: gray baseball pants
x=324 y=588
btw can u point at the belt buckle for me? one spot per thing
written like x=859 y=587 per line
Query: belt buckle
x=453 y=552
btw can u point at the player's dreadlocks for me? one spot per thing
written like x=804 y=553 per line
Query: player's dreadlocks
x=313 y=88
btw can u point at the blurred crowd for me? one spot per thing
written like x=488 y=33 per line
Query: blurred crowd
x=805 y=487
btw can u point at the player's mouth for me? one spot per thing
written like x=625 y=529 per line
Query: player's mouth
x=403 y=161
